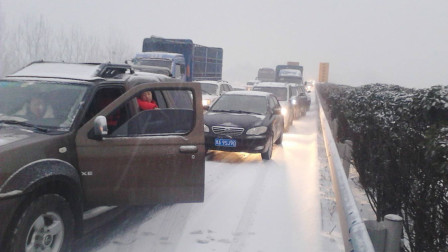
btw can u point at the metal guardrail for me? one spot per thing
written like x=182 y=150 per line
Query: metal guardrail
x=354 y=231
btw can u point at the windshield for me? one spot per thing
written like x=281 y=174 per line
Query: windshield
x=43 y=104
x=153 y=62
x=209 y=88
x=241 y=104
x=290 y=79
x=280 y=92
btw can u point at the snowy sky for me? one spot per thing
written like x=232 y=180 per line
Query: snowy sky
x=402 y=42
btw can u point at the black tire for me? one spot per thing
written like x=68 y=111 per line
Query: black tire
x=280 y=139
x=268 y=154
x=47 y=222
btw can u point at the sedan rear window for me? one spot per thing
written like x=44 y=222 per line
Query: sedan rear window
x=279 y=92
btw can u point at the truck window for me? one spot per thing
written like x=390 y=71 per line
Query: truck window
x=103 y=97
x=175 y=117
x=178 y=72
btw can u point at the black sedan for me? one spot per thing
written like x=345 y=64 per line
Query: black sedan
x=246 y=121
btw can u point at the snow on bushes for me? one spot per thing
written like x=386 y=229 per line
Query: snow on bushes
x=400 y=149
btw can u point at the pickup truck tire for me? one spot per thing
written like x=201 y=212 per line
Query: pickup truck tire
x=47 y=224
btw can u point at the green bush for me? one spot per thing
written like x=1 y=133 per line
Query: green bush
x=400 y=150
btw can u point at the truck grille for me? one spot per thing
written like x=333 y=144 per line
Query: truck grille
x=228 y=131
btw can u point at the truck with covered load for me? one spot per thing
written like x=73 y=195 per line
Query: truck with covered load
x=289 y=73
x=199 y=62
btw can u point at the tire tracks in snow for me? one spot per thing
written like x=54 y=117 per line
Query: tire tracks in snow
x=247 y=218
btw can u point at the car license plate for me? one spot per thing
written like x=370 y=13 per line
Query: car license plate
x=225 y=142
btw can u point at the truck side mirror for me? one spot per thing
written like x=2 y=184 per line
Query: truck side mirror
x=100 y=127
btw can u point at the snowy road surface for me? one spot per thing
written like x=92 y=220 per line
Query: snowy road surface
x=284 y=204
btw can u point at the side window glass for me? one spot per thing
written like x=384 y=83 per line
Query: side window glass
x=271 y=103
x=178 y=98
x=275 y=102
x=102 y=98
x=175 y=117
x=178 y=74
x=182 y=69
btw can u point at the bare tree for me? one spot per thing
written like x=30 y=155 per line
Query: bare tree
x=34 y=39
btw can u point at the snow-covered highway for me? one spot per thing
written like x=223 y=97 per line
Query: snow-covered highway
x=284 y=204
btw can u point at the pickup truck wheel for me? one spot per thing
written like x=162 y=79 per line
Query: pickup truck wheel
x=47 y=224
x=268 y=154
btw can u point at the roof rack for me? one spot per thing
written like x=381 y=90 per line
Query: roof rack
x=91 y=71
x=109 y=70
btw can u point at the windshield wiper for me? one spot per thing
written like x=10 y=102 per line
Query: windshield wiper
x=14 y=122
x=240 y=112
x=220 y=110
x=243 y=112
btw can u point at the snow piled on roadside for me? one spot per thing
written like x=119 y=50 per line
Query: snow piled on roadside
x=331 y=236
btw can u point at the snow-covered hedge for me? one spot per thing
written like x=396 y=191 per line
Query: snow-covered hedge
x=400 y=149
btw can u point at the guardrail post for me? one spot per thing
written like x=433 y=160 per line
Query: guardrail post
x=394 y=226
x=377 y=233
x=345 y=152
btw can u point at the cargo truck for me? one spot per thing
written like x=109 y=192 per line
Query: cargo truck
x=200 y=62
x=289 y=73
x=266 y=74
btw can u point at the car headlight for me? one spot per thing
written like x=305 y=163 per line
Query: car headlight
x=284 y=111
x=206 y=129
x=257 y=130
x=206 y=102
x=294 y=102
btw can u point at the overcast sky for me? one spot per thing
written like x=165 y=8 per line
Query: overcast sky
x=402 y=42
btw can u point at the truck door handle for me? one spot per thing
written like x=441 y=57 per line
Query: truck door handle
x=188 y=149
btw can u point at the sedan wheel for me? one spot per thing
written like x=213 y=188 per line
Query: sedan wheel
x=268 y=154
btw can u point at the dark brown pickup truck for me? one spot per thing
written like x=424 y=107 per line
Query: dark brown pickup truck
x=73 y=137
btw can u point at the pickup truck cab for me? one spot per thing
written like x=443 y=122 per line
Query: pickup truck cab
x=73 y=138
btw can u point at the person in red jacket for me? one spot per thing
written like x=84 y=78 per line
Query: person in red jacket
x=146 y=102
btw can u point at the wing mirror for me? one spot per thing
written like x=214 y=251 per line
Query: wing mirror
x=100 y=127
